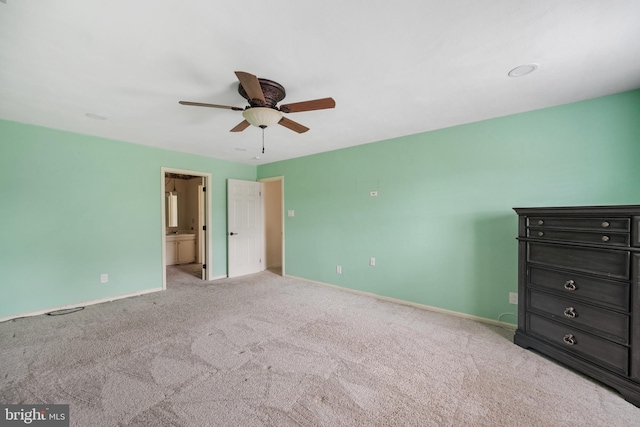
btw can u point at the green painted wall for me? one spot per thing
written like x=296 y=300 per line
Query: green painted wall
x=442 y=229
x=74 y=206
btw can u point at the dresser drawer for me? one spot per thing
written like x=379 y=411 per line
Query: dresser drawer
x=598 y=291
x=603 y=238
x=606 y=323
x=593 y=224
x=599 y=350
x=610 y=263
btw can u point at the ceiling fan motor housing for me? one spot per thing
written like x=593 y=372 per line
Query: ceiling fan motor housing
x=273 y=93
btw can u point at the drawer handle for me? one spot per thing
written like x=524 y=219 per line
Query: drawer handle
x=569 y=339
x=605 y=224
x=570 y=312
x=570 y=285
x=540 y=222
x=605 y=238
x=540 y=233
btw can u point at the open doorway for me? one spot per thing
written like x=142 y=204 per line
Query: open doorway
x=186 y=239
x=273 y=192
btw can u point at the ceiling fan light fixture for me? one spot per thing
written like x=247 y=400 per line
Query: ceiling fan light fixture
x=262 y=116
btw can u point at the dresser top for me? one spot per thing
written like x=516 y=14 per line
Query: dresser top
x=584 y=210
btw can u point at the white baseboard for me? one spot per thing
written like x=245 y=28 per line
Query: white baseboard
x=413 y=304
x=80 y=304
x=91 y=302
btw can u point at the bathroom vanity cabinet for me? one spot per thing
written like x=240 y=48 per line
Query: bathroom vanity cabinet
x=180 y=249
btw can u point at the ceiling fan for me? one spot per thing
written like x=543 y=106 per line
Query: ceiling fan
x=262 y=111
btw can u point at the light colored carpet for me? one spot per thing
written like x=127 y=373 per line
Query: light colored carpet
x=264 y=350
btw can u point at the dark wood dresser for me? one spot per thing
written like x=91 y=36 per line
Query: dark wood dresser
x=579 y=290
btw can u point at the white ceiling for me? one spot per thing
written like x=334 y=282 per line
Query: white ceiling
x=394 y=68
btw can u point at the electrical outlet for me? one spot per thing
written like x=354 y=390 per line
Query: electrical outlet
x=372 y=261
x=104 y=278
x=339 y=269
x=513 y=298
x=373 y=193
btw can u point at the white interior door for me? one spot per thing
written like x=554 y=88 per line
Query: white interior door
x=202 y=228
x=245 y=227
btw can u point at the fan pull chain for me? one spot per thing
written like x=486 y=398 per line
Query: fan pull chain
x=262 y=140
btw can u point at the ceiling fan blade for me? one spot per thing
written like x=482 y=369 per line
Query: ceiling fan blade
x=251 y=85
x=240 y=126
x=294 y=126
x=316 y=104
x=200 y=104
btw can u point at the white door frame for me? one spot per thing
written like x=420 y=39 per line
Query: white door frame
x=281 y=179
x=208 y=252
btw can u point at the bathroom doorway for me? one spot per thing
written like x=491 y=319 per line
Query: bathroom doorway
x=186 y=239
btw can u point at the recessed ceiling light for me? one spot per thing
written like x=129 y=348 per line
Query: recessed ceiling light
x=523 y=70
x=96 y=116
x=256 y=158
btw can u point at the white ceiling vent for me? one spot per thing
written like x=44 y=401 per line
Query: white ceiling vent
x=523 y=70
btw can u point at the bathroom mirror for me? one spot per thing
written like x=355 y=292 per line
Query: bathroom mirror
x=172 y=209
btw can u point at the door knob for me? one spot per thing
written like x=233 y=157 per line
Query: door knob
x=233 y=234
